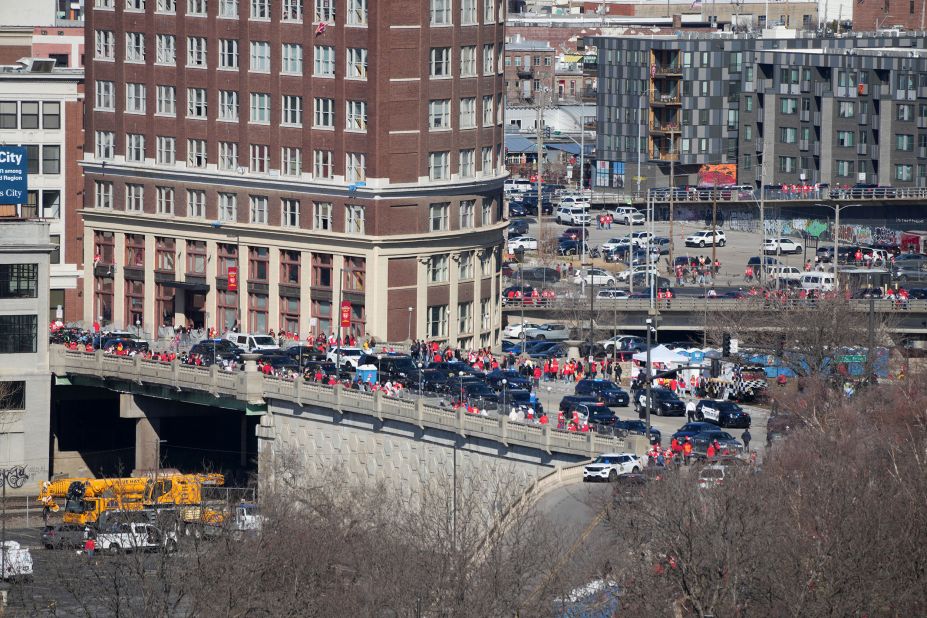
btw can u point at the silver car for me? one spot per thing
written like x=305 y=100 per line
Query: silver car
x=552 y=332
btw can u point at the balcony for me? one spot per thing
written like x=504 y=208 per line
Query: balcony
x=863 y=118
x=816 y=119
x=804 y=115
x=922 y=122
x=667 y=70
x=874 y=151
x=862 y=149
x=803 y=144
x=664 y=155
x=821 y=89
x=658 y=99
x=816 y=149
x=805 y=86
x=665 y=127
x=524 y=72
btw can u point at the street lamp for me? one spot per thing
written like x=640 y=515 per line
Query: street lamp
x=504 y=382
x=837 y=208
x=650 y=326
x=461 y=376
x=421 y=376
x=15 y=477
x=138 y=328
x=409 y=333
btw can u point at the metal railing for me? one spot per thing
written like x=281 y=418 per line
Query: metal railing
x=686 y=304
x=250 y=386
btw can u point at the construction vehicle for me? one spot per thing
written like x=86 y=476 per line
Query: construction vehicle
x=85 y=499
x=177 y=489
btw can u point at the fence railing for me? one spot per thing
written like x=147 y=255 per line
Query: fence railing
x=714 y=304
x=247 y=385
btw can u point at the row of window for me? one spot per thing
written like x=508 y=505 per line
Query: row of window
x=261 y=10
x=438 y=267
x=442 y=12
x=166 y=203
x=291 y=158
x=30 y=115
x=437 y=319
x=439 y=113
x=845 y=168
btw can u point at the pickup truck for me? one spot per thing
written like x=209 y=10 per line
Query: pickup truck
x=135 y=536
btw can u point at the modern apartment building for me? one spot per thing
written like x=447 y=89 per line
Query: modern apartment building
x=796 y=110
x=25 y=379
x=41 y=108
x=260 y=163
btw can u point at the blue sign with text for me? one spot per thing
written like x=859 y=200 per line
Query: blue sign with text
x=14 y=179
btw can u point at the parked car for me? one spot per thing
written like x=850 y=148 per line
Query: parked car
x=594 y=276
x=639 y=427
x=660 y=245
x=711 y=476
x=514 y=331
x=574 y=201
x=575 y=233
x=250 y=342
x=612 y=294
x=305 y=354
x=637 y=271
x=722 y=413
x=64 y=536
x=605 y=390
x=690 y=429
x=665 y=403
x=620 y=242
x=584 y=404
x=524 y=243
x=347 y=355
x=517 y=209
x=571 y=215
x=133 y=536
x=640 y=238
x=701 y=440
x=868 y=293
x=518 y=227
x=569 y=247
x=628 y=215
x=555 y=351
x=393 y=368
x=781 y=245
x=513 y=379
x=754 y=262
x=610 y=466
x=555 y=332
x=628 y=343
x=704 y=238
x=540 y=274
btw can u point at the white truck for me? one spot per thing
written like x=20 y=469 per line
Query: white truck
x=135 y=536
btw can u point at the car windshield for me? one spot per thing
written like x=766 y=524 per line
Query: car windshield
x=264 y=340
x=727 y=406
x=605 y=460
x=712 y=473
x=402 y=364
x=345 y=352
x=667 y=395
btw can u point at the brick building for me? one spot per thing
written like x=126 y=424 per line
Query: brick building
x=871 y=15
x=529 y=69
x=260 y=162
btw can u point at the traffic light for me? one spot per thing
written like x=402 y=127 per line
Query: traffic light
x=547 y=132
x=726 y=345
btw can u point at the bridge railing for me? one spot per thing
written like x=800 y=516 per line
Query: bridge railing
x=414 y=411
x=695 y=304
x=799 y=194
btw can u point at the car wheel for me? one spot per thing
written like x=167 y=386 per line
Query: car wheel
x=113 y=549
x=701 y=244
x=540 y=337
x=635 y=470
x=558 y=220
x=171 y=546
x=722 y=242
x=798 y=248
x=612 y=476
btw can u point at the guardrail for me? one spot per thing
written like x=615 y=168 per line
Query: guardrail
x=251 y=386
x=798 y=194
x=719 y=303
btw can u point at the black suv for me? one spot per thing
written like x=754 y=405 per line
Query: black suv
x=393 y=368
x=665 y=403
x=722 y=413
x=607 y=391
x=586 y=406
x=222 y=348
x=639 y=427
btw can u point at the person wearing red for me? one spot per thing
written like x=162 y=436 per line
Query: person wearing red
x=537 y=376
x=711 y=451
x=543 y=420
x=687 y=450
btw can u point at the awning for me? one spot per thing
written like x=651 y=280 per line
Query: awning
x=518 y=144
x=572 y=57
x=200 y=288
x=572 y=149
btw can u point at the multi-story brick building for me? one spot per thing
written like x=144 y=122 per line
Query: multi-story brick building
x=529 y=70
x=261 y=162
x=782 y=110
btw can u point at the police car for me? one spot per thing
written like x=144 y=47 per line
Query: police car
x=722 y=413
x=610 y=466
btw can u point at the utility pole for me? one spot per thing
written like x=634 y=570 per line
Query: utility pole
x=714 y=224
x=762 y=221
x=540 y=143
x=672 y=200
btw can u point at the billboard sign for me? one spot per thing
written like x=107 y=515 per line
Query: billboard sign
x=13 y=175
x=346 y=313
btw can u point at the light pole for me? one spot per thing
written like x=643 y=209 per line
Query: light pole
x=504 y=383
x=649 y=375
x=461 y=376
x=409 y=332
x=421 y=376
x=837 y=208
x=15 y=477
x=138 y=328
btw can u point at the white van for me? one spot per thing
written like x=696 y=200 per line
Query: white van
x=253 y=343
x=517 y=185
x=785 y=274
x=817 y=281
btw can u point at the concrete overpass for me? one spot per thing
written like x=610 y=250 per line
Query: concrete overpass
x=404 y=442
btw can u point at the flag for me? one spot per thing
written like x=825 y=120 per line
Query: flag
x=320 y=29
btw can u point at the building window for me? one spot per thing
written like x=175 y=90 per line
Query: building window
x=228 y=105
x=439 y=114
x=324 y=113
x=324 y=65
x=289 y=267
x=487 y=212
x=324 y=10
x=135 y=47
x=904 y=112
x=227 y=309
x=466 y=167
x=466 y=213
x=437 y=321
x=356 y=117
x=259 y=158
x=788 y=105
x=258 y=264
x=322 y=270
x=354 y=274
x=105 y=98
x=468 y=61
x=135 y=302
x=260 y=108
x=467 y=12
x=292 y=110
x=51 y=158
x=228 y=54
x=260 y=9
x=135 y=198
x=196 y=7
x=167 y=101
x=292 y=10
x=489 y=11
x=165 y=201
x=354 y=219
x=845 y=169
x=196 y=103
x=258 y=210
x=196 y=52
x=103 y=194
x=846 y=109
x=105 y=144
x=787 y=165
x=19 y=280
x=228 y=207
x=165 y=250
x=437 y=269
x=465 y=317
x=322 y=216
x=357 y=12
x=166 y=153
x=355 y=167
x=291 y=161
x=135 y=147
x=228 y=8
x=488 y=60
x=166 y=49
x=289 y=212
x=260 y=57
x=487 y=167
x=357 y=63
x=257 y=312
x=438 y=216
x=904 y=142
x=196 y=153
x=103 y=298
x=323 y=164
x=439 y=166
x=104 y=45
x=196 y=204
x=18 y=334
x=226 y=258
x=467 y=113
x=292 y=59
x=440 y=12
x=13 y=395
x=488 y=116
x=465 y=266
x=441 y=61
x=788 y=135
x=904 y=172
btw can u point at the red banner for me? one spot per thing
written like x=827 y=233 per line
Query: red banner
x=233 y=279
x=346 y=313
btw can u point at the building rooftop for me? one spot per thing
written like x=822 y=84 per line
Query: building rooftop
x=525 y=45
x=39 y=68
